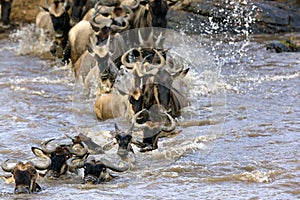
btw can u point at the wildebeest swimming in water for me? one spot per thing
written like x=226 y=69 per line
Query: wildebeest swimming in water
x=25 y=175
x=96 y=171
x=54 y=19
x=58 y=156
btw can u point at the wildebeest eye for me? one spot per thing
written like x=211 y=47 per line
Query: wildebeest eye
x=105 y=14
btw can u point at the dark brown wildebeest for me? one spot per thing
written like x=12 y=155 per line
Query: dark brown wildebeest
x=25 y=175
x=124 y=140
x=148 y=13
x=96 y=171
x=54 y=18
x=152 y=80
x=58 y=156
x=151 y=132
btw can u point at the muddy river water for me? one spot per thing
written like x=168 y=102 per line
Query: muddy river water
x=250 y=151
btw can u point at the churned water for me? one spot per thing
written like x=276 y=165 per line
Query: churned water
x=245 y=100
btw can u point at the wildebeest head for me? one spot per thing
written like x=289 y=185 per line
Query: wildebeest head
x=95 y=171
x=107 y=69
x=59 y=17
x=77 y=11
x=58 y=156
x=124 y=140
x=25 y=175
x=107 y=20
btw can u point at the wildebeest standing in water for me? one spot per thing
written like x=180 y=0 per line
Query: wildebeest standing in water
x=124 y=140
x=25 y=175
x=54 y=18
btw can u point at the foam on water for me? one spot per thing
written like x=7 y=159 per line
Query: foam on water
x=31 y=40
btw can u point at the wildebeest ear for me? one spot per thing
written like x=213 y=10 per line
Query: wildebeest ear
x=37 y=151
x=184 y=72
x=117 y=128
x=8 y=178
x=181 y=74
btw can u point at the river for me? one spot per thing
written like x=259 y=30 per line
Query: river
x=250 y=151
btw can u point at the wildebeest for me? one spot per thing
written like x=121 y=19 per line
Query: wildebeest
x=111 y=105
x=153 y=79
x=154 y=124
x=25 y=175
x=54 y=18
x=148 y=13
x=96 y=171
x=76 y=11
x=103 y=22
x=101 y=71
x=58 y=156
x=124 y=140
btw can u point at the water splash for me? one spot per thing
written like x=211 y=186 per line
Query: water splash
x=31 y=40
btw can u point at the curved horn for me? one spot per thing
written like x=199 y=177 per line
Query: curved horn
x=42 y=166
x=5 y=166
x=124 y=59
x=122 y=166
x=141 y=69
x=136 y=5
x=161 y=58
x=146 y=43
x=173 y=124
x=97 y=5
x=44 y=146
x=81 y=152
x=40 y=153
x=171 y=66
x=78 y=164
x=117 y=28
x=134 y=118
x=106 y=22
x=130 y=14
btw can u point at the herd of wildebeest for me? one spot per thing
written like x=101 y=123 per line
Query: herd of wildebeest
x=133 y=75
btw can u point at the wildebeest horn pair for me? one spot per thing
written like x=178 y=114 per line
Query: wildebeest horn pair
x=39 y=166
x=73 y=149
x=24 y=175
x=164 y=128
x=143 y=68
